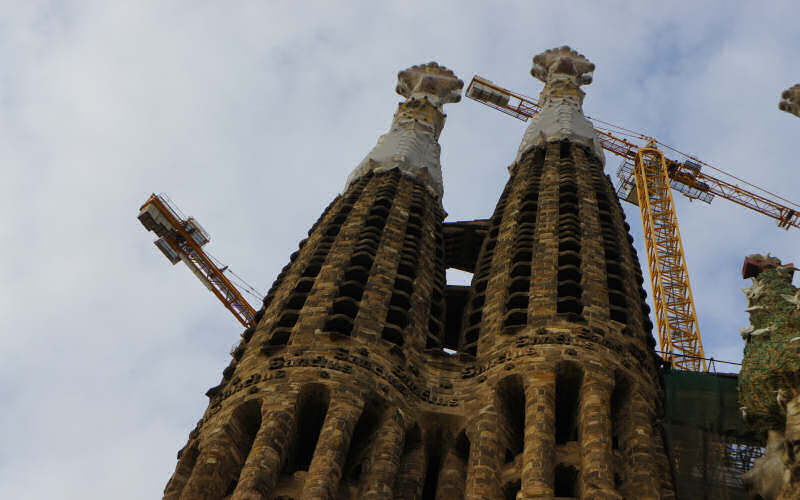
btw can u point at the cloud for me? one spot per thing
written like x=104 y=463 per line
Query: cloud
x=251 y=116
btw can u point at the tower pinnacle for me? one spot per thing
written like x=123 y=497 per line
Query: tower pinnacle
x=346 y=386
x=411 y=143
x=563 y=71
x=790 y=100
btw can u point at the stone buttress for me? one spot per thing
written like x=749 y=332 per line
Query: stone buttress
x=367 y=376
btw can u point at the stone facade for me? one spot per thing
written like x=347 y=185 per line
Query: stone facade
x=769 y=383
x=367 y=376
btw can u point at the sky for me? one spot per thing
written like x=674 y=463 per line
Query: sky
x=250 y=115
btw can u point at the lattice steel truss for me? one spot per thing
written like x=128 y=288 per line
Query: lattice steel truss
x=676 y=318
x=182 y=239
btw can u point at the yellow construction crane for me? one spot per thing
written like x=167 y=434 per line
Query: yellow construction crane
x=645 y=178
x=182 y=239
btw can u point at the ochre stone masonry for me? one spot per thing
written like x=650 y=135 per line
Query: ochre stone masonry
x=367 y=376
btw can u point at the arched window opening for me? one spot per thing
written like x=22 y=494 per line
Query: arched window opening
x=433 y=466
x=619 y=402
x=568 y=388
x=312 y=406
x=412 y=466
x=566 y=481
x=511 y=393
x=243 y=427
x=363 y=438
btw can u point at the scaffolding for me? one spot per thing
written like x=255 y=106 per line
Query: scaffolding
x=708 y=444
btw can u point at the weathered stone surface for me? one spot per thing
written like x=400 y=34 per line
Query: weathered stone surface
x=411 y=144
x=563 y=71
x=790 y=100
x=348 y=386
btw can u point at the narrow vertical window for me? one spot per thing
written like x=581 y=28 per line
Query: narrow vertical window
x=568 y=389
x=243 y=429
x=363 y=438
x=312 y=406
x=433 y=466
x=511 y=393
x=619 y=403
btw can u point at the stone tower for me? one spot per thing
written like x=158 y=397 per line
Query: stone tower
x=367 y=376
x=769 y=383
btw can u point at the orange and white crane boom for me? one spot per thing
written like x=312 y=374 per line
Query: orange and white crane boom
x=646 y=177
x=685 y=174
x=182 y=239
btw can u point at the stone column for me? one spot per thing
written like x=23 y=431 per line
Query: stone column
x=411 y=477
x=485 y=457
x=594 y=417
x=544 y=283
x=186 y=462
x=325 y=470
x=637 y=446
x=216 y=466
x=538 y=455
x=452 y=478
x=379 y=478
x=378 y=289
x=665 y=487
x=265 y=461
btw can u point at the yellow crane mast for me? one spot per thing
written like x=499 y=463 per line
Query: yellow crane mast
x=182 y=239
x=676 y=317
x=645 y=178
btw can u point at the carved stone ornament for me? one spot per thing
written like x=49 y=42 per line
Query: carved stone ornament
x=790 y=100
x=411 y=143
x=436 y=83
x=769 y=381
x=563 y=71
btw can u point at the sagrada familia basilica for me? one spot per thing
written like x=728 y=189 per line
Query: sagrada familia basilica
x=367 y=376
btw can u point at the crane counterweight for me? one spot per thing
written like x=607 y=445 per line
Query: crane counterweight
x=183 y=239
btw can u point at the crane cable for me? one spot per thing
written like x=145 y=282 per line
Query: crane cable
x=246 y=287
x=667 y=146
x=638 y=135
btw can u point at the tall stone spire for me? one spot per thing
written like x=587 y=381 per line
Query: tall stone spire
x=411 y=144
x=347 y=386
x=563 y=71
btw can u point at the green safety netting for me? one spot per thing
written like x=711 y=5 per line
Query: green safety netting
x=708 y=444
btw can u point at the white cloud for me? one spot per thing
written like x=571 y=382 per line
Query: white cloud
x=251 y=116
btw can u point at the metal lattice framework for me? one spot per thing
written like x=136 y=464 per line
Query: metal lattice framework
x=179 y=241
x=676 y=318
x=675 y=312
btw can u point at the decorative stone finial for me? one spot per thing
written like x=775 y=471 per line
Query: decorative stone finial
x=562 y=62
x=755 y=264
x=790 y=100
x=437 y=83
x=563 y=71
x=411 y=144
